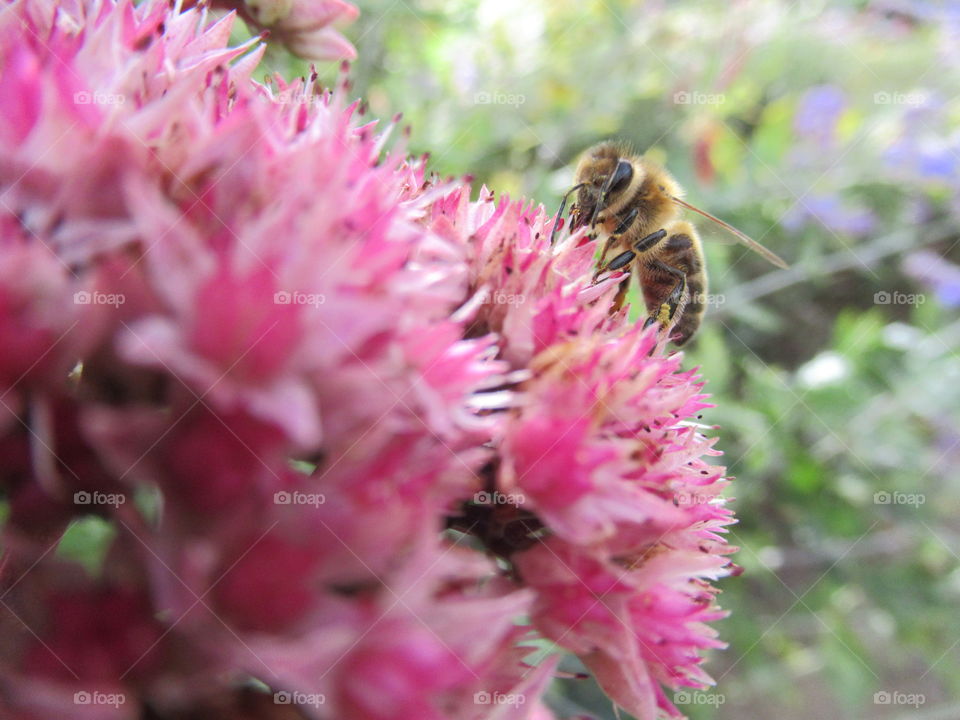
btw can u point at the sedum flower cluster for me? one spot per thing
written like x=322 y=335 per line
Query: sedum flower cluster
x=356 y=444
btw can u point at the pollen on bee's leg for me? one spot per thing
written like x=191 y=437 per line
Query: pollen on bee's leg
x=663 y=316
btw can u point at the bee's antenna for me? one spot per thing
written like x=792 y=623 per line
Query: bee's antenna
x=603 y=196
x=622 y=172
x=746 y=240
x=563 y=204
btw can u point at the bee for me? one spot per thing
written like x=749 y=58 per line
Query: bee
x=635 y=205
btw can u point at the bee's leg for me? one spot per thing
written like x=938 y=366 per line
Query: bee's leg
x=627 y=222
x=621 y=295
x=621 y=228
x=618 y=263
x=603 y=255
x=666 y=312
x=646 y=243
x=626 y=257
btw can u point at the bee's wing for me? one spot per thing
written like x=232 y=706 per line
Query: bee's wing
x=738 y=236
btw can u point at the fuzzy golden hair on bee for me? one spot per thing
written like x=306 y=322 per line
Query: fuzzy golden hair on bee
x=600 y=161
x=635 y=205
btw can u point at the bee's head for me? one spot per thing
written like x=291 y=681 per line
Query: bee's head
x=604 y=173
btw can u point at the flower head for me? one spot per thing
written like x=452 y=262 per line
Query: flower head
x=602 y=461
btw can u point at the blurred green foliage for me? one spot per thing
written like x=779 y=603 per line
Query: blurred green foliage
x=828 y=131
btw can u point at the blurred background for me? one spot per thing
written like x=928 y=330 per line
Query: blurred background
x=829 y=132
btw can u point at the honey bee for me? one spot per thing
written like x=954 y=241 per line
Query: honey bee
x=636 y=205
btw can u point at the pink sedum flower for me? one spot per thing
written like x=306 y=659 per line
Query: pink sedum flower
x=597 y=455
x=351 y=436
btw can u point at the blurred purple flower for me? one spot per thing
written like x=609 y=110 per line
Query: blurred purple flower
x=832 y=213
x=936 y=272
x=818 y=112
x=928 y=148
x=925 y=158
x=939 y=164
